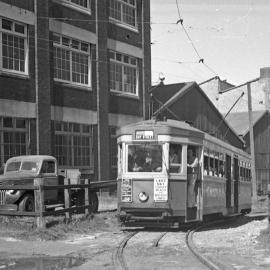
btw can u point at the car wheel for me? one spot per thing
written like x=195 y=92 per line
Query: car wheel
x=27 y=203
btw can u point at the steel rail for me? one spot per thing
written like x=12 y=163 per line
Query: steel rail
x=119 y=261
x=212 y=264
x=156 y=241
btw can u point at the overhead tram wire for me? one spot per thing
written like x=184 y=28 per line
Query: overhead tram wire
x=181 y=21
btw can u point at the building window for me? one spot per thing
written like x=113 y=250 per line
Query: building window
x=124 y=11
x=13 y=137
x=71 y=60
x=73 y=144
x=123 y=73
x=13 y=49
x=81 y=5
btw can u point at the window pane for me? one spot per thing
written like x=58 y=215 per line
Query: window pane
x=6 y=24
x=144 y=158
x=175 y=158
x=123 y=11
x=7 y=122
x=13 y=52
x=83 y=3
x=19 y=28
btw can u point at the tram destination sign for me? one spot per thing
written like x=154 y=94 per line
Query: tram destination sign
x=160 y=189
x=144 y=135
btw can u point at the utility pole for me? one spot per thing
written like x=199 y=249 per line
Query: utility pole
x=252 y=151
x=265 y=80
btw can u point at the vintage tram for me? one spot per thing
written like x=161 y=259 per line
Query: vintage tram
x=157 y=185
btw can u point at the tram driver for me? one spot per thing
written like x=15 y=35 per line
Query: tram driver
x=192 y=175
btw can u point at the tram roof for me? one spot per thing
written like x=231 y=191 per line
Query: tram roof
x=166 y=127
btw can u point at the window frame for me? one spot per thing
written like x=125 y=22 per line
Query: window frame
x=13 y=130
x=68 y=130
x=68 y=48
x=13 y=33
x=178 y=164
x=70 y=4
x=121 y=22
x=123 y=64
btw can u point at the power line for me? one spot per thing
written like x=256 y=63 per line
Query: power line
x=181 y=21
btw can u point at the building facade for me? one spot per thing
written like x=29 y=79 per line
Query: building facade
x=71 y=72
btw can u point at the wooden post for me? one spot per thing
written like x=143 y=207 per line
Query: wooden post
x=39 y=201
x=252 y=151
x=67 y=199
x=86 y=198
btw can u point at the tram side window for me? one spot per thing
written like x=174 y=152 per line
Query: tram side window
x=221 y=166
x=206 y=164
x=211 y=168
x=216 y=162
x=248 y=174
x=242 y=175
x=175 y=158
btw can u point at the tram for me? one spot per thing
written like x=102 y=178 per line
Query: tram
x=158 y=185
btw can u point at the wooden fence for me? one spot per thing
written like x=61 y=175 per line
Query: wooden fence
x=38 y=187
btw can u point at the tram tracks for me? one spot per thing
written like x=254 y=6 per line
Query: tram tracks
x=120 y=262
x=213 y=263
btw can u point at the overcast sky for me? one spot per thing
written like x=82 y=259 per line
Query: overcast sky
x=232 y=36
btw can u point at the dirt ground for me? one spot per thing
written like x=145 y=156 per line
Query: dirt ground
x=88 y=243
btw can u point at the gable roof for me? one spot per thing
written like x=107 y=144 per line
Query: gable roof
x=176 y=92
x=240 y=121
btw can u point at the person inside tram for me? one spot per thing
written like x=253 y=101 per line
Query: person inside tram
x=192 y=175
x=138 y=164
x=175 y=158
x=147 y=166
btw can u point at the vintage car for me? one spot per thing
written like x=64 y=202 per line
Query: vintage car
x=22 y=170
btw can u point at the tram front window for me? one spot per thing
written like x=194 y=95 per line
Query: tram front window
x=144 y=158
x=175 y=158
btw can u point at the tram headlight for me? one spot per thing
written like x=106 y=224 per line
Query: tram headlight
x=143 y=197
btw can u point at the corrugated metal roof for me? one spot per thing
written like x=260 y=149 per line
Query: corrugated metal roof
x=240 y=121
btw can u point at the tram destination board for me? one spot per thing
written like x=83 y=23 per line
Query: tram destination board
x=160 y=189
x=144 y=135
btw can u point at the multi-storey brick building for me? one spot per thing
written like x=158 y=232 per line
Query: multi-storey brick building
x=71 y=71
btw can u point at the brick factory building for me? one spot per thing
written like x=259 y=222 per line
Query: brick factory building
x=71 y=72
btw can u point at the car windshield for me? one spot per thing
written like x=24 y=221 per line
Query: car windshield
x=22 y=166
x=145 y=158
x=29 y=166
x=13 y=166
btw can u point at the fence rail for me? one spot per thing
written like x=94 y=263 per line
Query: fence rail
x=39 y=187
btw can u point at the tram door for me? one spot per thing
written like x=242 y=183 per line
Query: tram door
x=236 y=183
x=193 y=182
x=228 y=182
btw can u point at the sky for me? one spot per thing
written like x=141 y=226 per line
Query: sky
x=231 y=36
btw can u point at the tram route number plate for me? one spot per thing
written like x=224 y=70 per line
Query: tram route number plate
x=160 y=189
x=126 y=190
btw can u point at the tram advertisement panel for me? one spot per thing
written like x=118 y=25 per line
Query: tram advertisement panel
x=160 y=189
x=126 y=190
